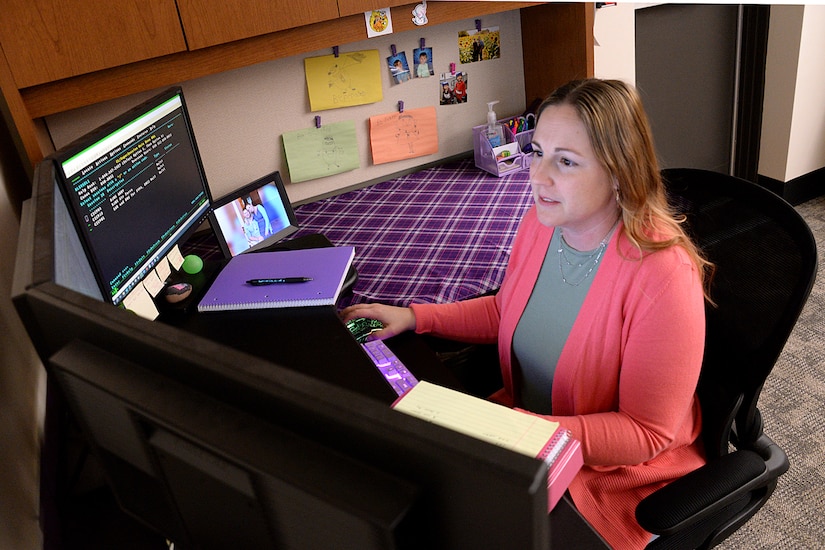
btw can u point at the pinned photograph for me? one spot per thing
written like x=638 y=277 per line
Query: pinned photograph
x=423 y=62
x=399 y=68
x=479 y=45
x=453 y=88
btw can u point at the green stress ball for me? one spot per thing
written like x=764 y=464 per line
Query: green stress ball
x=192 y=264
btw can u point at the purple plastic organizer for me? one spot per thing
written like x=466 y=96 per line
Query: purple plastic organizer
x=509 y=157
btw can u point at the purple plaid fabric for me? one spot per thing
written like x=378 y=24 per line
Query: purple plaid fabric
x=438 y=235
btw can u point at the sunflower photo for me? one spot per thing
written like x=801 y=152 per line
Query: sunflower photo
x=479 y=45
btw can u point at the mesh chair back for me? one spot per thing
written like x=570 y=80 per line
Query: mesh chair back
x=766 y=259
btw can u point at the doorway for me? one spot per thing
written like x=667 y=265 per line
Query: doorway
x=700 y=71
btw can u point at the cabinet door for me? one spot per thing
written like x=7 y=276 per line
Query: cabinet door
x=47 y=40
x=211 y=22
x=351 y=7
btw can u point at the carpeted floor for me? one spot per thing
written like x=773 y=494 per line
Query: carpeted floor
x=793 y=407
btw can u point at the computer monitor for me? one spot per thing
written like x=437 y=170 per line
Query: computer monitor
x=253 y=217
x=135 y=187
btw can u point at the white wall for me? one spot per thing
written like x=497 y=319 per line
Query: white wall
x=784 y=37
x=239 y=116
x=614 y=31
x=793 y=127
x=806 y=146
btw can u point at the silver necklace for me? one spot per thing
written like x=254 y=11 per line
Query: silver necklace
x=590 y=262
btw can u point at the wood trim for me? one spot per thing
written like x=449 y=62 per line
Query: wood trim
x=351 y=7
x=557 y=41
x=21 y=126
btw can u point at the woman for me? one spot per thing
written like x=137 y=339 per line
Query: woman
x=250 y=228
x=600 y=317
x=261 y=217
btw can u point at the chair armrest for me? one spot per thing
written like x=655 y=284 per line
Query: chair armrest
x=703 y=492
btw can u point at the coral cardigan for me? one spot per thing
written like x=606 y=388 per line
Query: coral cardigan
x=626 y=378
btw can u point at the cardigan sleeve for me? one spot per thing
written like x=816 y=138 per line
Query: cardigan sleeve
x=473 y=321
x=478 y=320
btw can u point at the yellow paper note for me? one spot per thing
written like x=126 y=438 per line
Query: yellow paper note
x=515 y=430
x=403 y=135
x=175 y=258
x=152 y=283
x=163 y=269
x=318 y=152
x=139 y=301
x=352 y=78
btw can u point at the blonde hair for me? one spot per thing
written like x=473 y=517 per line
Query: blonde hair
x=621 y=137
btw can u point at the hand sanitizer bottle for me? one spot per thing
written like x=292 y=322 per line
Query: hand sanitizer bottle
x=495 y=131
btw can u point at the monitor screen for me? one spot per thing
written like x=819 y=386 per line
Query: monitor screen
x=255 y=216
x=134 y=187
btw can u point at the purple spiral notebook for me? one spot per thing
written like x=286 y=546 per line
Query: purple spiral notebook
x=327 y=268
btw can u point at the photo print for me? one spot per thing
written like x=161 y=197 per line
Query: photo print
x=399 y=68
x=453 y=88
x=423 y=59
x=479 y=45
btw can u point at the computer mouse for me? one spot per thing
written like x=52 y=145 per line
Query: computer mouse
x=361 y=328
x=177 y=292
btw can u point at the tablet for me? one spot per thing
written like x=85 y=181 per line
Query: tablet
x=255 y=216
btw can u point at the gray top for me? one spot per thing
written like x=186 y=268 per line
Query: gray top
x=554 y=304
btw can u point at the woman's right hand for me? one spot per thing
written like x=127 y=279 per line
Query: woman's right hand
x=395 y=319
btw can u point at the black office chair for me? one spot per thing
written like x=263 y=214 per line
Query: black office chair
x=766 y=261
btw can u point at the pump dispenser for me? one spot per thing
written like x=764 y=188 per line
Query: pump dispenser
x=495 y=131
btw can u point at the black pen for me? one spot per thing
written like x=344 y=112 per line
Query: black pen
x=278 y=281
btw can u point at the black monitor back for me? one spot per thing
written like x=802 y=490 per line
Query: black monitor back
x=209 y=475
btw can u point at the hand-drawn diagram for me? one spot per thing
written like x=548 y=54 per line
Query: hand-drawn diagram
x=407 y=132
x=345 y=80
x=318 y=152
x=403 y=135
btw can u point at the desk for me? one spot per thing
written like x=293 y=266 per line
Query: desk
x=284 y=327
x=310 y=340
x=315 y=342
x=340 y=361
x=437 y=235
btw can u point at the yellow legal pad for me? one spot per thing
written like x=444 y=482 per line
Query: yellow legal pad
x=515 y=430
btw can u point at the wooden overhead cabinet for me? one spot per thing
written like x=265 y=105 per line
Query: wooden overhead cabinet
x=211 y=22
x=45 y=41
